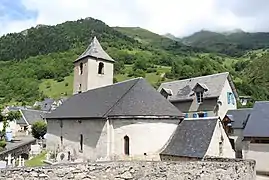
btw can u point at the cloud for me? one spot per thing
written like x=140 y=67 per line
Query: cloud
x=180 y=17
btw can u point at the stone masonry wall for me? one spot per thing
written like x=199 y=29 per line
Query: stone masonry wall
x=203 y=170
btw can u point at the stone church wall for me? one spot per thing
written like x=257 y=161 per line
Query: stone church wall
x=206 y=170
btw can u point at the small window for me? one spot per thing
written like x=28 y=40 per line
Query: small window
x=81 y=142
x=200 y=97
x=101 y=68
x=81 y=68
x=126 y=145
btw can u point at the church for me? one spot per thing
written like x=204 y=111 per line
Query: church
x=129 y=120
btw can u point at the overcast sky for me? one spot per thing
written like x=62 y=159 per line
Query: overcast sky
x=179 y=17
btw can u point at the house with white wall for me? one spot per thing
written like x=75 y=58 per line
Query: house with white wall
x=256 y=136
x=205 y=96
x=198 y=139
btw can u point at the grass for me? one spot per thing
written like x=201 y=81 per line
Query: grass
x=36 y=161
x=54 y=89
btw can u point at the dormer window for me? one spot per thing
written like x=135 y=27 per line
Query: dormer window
x=199 y=89
x=200 y=97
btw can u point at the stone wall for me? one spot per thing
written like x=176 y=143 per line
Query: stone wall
x=203 y=170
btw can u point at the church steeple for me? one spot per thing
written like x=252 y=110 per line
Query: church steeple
x=95 y=50
x=93 y=68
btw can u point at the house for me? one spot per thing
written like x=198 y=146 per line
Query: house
x=234 y=123
x=126 y=120
x=49 y=104
x=196 y=140
x=245 y=99
x=28 y=118
x=23 y=124
x=94 y=68
x=205 y=96
x=256 y=136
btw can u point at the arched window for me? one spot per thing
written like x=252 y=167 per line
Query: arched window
x=101 y=68
x=81 y=142
x=81 y=68
x=126 y=145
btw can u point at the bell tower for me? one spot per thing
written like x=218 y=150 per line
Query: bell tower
x=93 y=69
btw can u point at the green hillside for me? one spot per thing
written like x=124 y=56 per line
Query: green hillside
x=145 y=36
x=38 y=62
x=235 y=43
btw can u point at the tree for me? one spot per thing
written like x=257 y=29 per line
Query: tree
x=39 y=129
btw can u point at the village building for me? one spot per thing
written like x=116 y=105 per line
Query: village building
x=234 y=123
x=205 y=96
x=28 y=118
x=198 y=139
x=256 y=136
x=127 y=120
x=22 y=126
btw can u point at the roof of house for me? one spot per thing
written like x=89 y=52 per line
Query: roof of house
x=191 y=138
x=30 y=116
x=239 y=117
x=129 y=98
x=183 y=89
x=95 y=50
x=258 y=122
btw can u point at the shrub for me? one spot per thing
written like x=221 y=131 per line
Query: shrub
x=66 y=84
x=39 y=129
x=3 y=144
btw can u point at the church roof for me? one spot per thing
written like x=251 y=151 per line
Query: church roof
x=183 y=89
x=129 y=98
x=258 y=122
x=191 y=138
x=95 y=50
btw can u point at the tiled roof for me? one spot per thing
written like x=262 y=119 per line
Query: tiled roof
x=129 y=98
x=239 y=117
x=183 y=89
x=191 y=138
x=95 y=50
x=258 y=122
x=30 y=116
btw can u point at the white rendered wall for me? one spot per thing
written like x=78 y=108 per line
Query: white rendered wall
x=259 y=153
x=224 y=99
x=146 y=136
x=214 y=150
x=96 y=80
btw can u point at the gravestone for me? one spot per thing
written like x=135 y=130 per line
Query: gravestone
x=35 y=149
x=3 y=164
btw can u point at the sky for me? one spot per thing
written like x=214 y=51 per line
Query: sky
x=178 y=17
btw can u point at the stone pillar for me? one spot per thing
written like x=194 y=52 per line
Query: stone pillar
x=9 y=158
x=22 y=162
x=13 y=162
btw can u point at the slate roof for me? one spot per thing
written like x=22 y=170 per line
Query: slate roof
x=191 y=138
x=239 y=117
x=258 y=122
x=95 y=50
x=183 y=89
x=129 y=98
x=30 y=116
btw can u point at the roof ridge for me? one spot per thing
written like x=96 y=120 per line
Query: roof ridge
x=197 y=77
x=110 y=109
